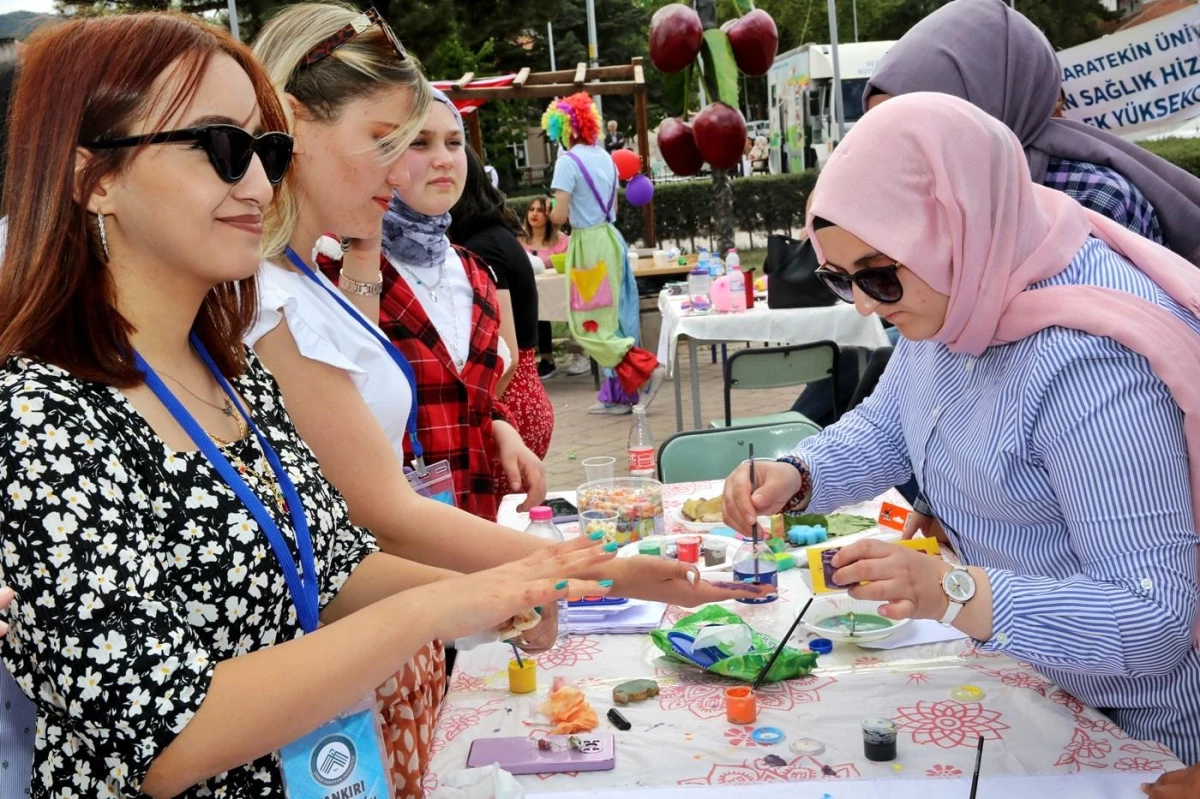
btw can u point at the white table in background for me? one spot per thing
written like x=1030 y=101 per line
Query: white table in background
x=841 y=324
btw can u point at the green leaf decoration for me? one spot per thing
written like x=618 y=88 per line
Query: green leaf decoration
x=847 y=523
x=805 y=520
x=720 y=70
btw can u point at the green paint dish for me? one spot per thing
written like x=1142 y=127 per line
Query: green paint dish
x=863 y=623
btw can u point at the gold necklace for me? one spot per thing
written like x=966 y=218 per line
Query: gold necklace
x=260 y=468
x=242 y=428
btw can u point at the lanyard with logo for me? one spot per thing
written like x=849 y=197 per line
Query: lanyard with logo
x=346 y=753
x=437 y=480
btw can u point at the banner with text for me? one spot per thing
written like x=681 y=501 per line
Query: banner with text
x=1137 y=80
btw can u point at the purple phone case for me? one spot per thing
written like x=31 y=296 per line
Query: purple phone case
x=827 y=568
x=597 y=752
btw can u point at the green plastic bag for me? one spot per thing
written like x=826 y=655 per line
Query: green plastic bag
x=791 y=663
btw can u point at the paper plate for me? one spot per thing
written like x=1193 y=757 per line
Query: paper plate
x=695 y=527
x=731 y=546
x=827 y=618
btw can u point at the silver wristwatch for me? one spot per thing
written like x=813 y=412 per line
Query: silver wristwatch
x=959 y=586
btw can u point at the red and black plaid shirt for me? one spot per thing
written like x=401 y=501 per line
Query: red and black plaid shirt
x=454 y=409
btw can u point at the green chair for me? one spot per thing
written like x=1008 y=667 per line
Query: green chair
x=775 y=367
x=712 y=454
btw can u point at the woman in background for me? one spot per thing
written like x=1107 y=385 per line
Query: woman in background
x=543 y=239
x=440 y=309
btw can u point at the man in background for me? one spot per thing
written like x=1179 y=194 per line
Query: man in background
x=615 y=139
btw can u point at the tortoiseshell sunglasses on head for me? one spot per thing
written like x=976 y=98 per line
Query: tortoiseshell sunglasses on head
x=357 y=25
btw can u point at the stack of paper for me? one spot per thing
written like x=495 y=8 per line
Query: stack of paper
x=635 y=617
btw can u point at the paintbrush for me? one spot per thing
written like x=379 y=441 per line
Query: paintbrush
x=762 y=675
x=517 y=652
x=978 y=761
x=851 y=624
x=754 y=527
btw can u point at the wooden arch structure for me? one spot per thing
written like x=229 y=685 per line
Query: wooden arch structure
x=469 y=92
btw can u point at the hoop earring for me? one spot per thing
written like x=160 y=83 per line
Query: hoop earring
x=103 y=235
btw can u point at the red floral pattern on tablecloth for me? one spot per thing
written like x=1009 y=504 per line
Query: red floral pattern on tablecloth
x=1138 y=764
x=918 y=678
x=1084 y=751
x=1061 y=697
x=1019 y=676
x=467 y=683
x=948 y=724
x=943 y=770
x=756 y=770
x=455 y=720
x=868 y=661
x=673 y=615
x=976 y=651
x=741 y=736
x=578 y=649
x=706 y=699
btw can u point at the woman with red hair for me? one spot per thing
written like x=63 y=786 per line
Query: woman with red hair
x=603 y=301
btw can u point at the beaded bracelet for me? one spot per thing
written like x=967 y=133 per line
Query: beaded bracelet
x=800 y=499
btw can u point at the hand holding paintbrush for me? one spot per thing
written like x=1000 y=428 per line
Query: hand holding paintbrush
x=754 y=527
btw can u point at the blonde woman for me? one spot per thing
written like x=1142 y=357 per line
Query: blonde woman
x=355 y=100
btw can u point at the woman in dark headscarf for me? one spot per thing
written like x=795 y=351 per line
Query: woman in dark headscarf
x=990 y=55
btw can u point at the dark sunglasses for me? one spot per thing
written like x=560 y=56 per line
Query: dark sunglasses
x=880 y=283
x=229 y=148
x=356 y=26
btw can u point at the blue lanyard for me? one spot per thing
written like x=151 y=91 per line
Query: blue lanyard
x=388 y=347
x=301 y=584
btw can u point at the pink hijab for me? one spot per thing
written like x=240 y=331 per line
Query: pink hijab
x=944 y=188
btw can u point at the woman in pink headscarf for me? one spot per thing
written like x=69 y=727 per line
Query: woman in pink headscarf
x=1045 y=397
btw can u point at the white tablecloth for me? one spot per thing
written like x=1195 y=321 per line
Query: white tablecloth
x=681 y=738
x=839 y=323
x=552 y=297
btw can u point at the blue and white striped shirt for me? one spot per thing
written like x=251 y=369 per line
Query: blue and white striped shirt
x=1058 y=465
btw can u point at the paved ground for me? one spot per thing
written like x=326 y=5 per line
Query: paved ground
x=578 y=435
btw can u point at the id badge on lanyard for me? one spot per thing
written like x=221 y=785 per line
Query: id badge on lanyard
x=344 y=758
x=350 y=746
x=436 y=481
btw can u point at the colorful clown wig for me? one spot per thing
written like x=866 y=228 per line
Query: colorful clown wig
x=572 y=118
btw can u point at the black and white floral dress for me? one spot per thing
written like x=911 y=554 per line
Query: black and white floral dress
x=137 y=570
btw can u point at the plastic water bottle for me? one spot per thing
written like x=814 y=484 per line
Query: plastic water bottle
x=540 y=525
x=737 y=282
x=703 y=261
x=699 y=288
x=766 y=570
x=641 y=445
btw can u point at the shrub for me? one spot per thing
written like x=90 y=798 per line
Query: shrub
x=683 y=212
x=1183 y=153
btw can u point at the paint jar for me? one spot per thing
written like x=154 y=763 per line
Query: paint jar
x=689 y=548
x=714 y=553
x=879 y=739
x=741 y=705
x=650 y=547
x=522 y=677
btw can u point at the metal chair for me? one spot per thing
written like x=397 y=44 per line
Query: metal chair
x=775 y=367
x=712 y=454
